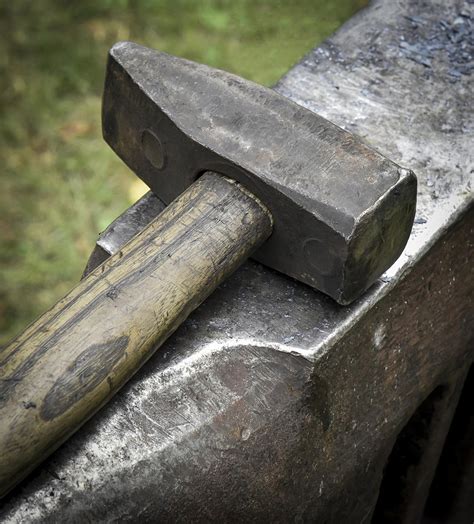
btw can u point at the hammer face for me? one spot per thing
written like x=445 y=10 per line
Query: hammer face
x=342 y=211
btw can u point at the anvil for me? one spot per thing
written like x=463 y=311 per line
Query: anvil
x=245 y=171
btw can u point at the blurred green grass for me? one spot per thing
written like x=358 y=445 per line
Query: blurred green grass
x=60 y=184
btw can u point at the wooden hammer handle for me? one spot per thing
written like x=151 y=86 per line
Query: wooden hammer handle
x=71 y=361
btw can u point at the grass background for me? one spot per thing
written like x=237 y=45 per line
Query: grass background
x=60 y=185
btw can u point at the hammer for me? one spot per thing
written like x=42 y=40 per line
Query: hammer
x=245 y=171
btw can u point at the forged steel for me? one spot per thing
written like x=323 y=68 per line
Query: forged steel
x=271 y=402
x=342 y=211
x=119 y=232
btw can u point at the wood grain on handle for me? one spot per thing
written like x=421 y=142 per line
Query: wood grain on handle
x=71 y=361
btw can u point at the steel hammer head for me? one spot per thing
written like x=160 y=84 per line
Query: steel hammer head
x=342 y=211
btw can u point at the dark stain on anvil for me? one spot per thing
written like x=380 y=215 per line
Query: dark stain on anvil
x=82 y=376
x=442 y=43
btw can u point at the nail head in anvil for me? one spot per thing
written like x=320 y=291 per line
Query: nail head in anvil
x=342 y=212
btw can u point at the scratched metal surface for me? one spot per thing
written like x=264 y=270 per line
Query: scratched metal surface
x=231 y=414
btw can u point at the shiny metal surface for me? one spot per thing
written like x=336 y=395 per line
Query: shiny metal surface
x=271 y=401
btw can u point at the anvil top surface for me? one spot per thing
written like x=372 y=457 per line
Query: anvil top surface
x=246 y=366
x=342 y=212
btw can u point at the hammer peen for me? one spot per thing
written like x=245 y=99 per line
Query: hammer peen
x=245 y=171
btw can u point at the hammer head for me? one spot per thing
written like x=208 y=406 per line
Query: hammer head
x=342 y=211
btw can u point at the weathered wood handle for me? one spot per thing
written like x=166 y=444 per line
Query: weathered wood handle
x=71 y=361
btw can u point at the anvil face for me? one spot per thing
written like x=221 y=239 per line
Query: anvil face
x=342 y=211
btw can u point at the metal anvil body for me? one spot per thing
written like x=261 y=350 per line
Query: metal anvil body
x=271 y=402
